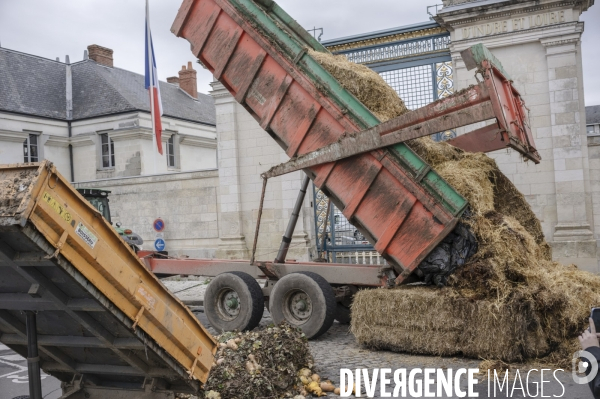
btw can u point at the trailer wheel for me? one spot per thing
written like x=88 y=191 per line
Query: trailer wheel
x=305 y=300
x=233 y=301
x=342 y=314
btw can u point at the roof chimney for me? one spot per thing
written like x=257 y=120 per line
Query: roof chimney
x=101 y=55
x=187 y=80
x=173 y=80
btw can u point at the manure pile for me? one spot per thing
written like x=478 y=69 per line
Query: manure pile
x=267 y=363
x=509 y=301
x=13 y=190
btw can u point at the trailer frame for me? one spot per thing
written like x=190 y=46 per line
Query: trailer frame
x=395 y=199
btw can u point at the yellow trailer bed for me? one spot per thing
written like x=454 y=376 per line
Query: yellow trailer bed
x=104 y=321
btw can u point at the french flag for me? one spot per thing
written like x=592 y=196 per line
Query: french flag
x=152 y=84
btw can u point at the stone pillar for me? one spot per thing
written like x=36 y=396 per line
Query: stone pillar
x=245 y=151
x=573 y=240
x=232 y=243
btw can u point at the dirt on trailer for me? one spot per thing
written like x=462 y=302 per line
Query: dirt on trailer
x=508 y=301
x=14 y=186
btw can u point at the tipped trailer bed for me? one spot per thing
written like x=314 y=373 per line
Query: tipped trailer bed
x=394 y=198
x=402 y=206
x=74 y=292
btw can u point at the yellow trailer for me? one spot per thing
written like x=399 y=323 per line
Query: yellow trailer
x=105 y=324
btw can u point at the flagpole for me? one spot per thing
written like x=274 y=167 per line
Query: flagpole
x=151 y=72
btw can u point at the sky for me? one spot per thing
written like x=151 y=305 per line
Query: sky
x=55 y=28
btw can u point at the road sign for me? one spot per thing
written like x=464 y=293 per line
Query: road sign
x=159 y=244
x=158 y=225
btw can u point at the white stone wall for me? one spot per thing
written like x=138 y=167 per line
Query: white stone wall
x=244 y=152
x=186 y=201
x=58 y=152
x=135 y=154
x=197 y=158
x=85 y=157
x=539 y=46
x=11 y=151
x=594 y=162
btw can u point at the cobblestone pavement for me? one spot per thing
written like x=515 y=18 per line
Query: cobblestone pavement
x=337 y=348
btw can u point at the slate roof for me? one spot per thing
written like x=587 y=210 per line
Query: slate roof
x=32 y=85
x=36 y=86
x=592 y=115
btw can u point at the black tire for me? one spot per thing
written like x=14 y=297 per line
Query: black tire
x=316 y=296
x=342 y=314
x=238 y=287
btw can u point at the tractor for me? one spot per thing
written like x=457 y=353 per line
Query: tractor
x=99 y=200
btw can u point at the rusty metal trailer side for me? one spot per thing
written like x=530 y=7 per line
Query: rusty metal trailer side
x=103 y=320
x=402 y=206
x=389 y=193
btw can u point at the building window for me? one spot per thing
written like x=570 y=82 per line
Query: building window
x=30 y=148
x=590 y=129
x=171 y=152
x=108 y=151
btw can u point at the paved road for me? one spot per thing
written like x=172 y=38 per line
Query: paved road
x=334 y=350
x=13 y=377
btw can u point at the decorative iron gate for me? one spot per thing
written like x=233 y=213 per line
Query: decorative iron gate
x=416 y=62
x=343 y=242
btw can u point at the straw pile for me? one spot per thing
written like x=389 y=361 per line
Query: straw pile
x=508 y=302
x=365 y=84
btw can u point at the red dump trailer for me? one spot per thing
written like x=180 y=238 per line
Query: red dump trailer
x=396 y=200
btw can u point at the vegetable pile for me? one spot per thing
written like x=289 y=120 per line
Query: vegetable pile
x=261 y=364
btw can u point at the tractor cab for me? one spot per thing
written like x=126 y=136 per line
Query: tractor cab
x=99 y=200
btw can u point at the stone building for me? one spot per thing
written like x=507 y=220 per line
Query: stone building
x=245 y=151
x=592 y=120
x=212 y=213
x=92 y=120
x=539 y=44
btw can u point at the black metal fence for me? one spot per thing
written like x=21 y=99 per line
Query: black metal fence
x=420 y=70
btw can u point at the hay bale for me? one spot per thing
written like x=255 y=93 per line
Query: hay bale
x=507 y=303
x=465 y=171
x=426 y=321
x=510 y=301
x=365 y=84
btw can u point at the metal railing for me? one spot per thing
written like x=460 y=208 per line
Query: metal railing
x=398 y=50
x=356 y=257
